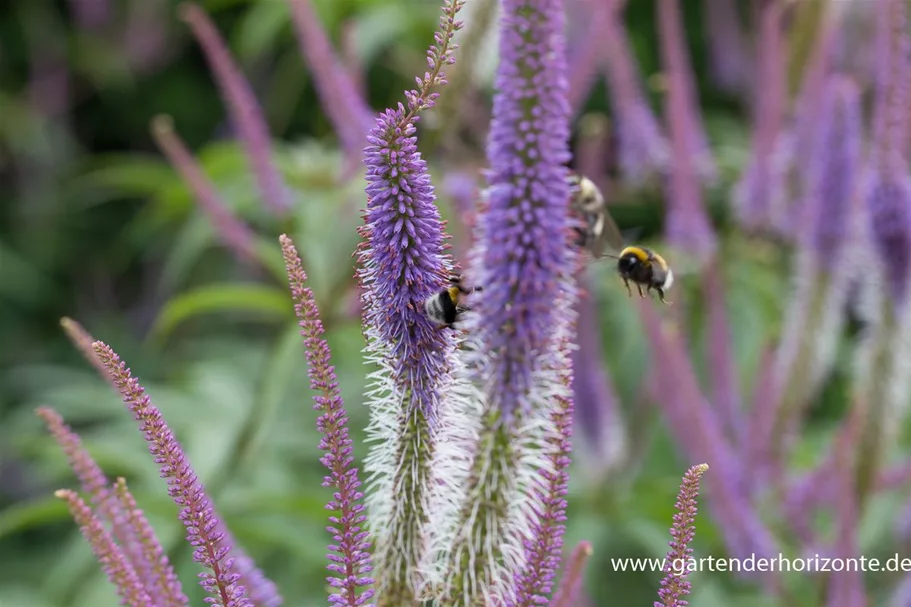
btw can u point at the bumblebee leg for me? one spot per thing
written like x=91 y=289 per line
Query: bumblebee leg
x=641 y=294
x=661 y=297
x=628 y=290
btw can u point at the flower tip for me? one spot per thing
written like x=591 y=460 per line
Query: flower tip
x=64 y=494
x=586 y=548
x=700 y=468
x=162 y=124
x=187 y=11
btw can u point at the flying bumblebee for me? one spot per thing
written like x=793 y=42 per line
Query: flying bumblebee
x=636 y=264
x=444 y=307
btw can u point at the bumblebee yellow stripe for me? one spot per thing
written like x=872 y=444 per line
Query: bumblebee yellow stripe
x=454 y=294
x=640 y=253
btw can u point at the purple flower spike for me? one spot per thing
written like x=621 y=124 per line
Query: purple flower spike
x=675 y=586
x=832 y=183
x=888 y=200
x=523 y=228
x=183 y=486
x=351 y=557
x=160 y=572
x=403 y=257
x=246 y=113
x=118 y=569
x=888 y=191
x=402 y=264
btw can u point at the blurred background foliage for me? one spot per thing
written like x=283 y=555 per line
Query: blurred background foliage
x=97 y=226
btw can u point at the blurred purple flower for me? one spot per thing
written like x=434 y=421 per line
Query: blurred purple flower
x=832 y=184
x=349 y=112
x=762 y=183
x=246 y=114
x=573 y=569
x=596 y=411
x=233 y=233
x=729 y=60
x=687 y=224
x=681 y=99
x=643 y=150
x=847 y=588
x=700 y=435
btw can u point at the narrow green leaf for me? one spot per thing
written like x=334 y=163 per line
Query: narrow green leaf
x=270 y=303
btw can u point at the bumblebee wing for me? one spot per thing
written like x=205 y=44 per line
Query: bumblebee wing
x=610 y=236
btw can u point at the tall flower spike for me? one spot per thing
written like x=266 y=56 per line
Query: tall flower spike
x=245 y=111
x=520 y=338
x=83 y=342
x=402 y=264
x=137 y=542
x=351 y=557
x=183 y=487
x=675 y=586
x=116 y=566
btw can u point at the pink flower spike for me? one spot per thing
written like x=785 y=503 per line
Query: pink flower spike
x=572 y=576
x=116 y=566
x=350 y=558
x=157 y=577
x=204 y=530
x=233 y=233
x=675 y=585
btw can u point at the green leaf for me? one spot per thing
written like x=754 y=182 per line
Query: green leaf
x=269 y=303
x=262 y=25
x=122 y=176
x=24 y=516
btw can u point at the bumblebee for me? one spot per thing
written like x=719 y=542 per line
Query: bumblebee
x=445 y=308
x=645 y=268
x=636 y=264
x=588 y=204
